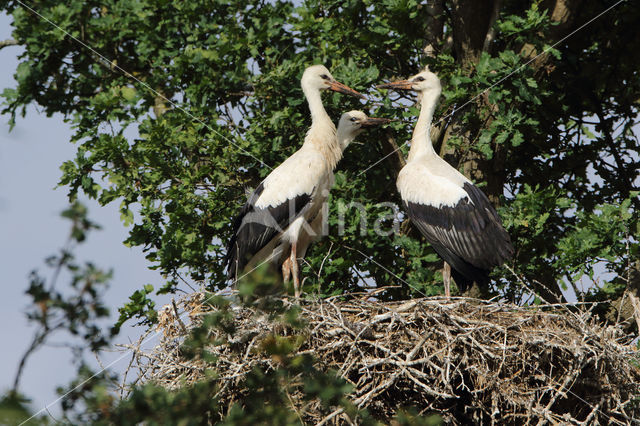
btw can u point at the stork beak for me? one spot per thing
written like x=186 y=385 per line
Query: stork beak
x=374 y=122
x=397 y=85
x=339 y=87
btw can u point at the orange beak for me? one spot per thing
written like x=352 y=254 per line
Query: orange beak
x=397 y=85
x=374 y=122
x=339 y=87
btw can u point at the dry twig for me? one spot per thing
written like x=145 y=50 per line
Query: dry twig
x=481 y=363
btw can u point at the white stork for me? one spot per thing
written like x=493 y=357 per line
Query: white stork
x=454 y=216
x=351 y=124
x=293 y=193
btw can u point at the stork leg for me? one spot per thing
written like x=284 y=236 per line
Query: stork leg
x=286 y=269
x=294 y=270
x=446 y=277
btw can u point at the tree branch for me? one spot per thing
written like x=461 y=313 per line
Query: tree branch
x=389 y=146
x=605 y=123
x=8 y=42
x=563 y=13
x=435 y=28
x=491 y=32
x=38 y=340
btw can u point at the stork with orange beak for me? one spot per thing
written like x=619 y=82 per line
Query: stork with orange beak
x=282 y=208
x=453 y=214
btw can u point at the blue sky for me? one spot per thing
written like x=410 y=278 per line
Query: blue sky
x=31 y=229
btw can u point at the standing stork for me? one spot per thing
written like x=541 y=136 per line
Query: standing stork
x=351 y=124
x=293 y=193
x=454 y=216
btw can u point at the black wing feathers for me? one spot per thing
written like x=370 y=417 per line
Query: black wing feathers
x=469 y=235
x=493 y=228
x=255 y=227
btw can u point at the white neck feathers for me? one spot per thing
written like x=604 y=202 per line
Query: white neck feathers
x=421 y=140
x=322 y=133
x=344 y=138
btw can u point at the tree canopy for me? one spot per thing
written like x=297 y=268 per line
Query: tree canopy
x=179 y=107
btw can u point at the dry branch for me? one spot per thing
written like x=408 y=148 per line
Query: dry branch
x=8 y=42
x=468 y=361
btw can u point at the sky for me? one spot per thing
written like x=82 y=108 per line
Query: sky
x=31 y=229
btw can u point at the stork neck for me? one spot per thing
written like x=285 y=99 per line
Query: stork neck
x=322 y=134
x=344 y=138
x=421 y=140
x=314 y=100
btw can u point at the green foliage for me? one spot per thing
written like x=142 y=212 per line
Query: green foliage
x=14 y=410
x=139 y=306
x=92 y=388
x=264 y=396
x=204 y=113
x=410 y=417
x=77 y=308
x=601 y=235
x=210 y=101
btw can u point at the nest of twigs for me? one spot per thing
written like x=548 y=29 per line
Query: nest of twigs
x=465 y=360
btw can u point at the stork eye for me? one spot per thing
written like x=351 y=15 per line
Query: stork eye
x=353 y=119
x=324 y=77
x=421 y=78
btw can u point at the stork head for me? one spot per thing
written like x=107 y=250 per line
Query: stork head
x=353 y=123
x=318 y=77
x=424 y=82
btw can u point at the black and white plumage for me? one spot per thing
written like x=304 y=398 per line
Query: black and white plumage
x=454 y=216
x=350 y=125
x=291 y=197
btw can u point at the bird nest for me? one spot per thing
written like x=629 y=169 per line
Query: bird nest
x=464 y=360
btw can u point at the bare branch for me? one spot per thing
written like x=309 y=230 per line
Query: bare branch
x=389 y=145
x=8 y=42
x=521 y=362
